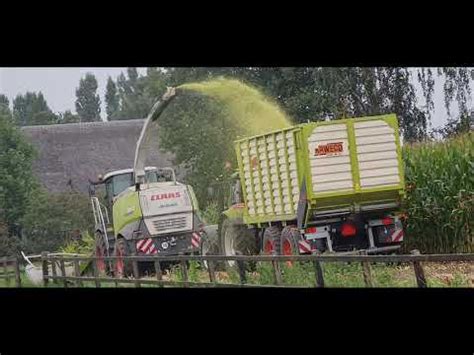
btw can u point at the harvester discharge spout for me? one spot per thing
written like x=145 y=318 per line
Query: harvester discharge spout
x=146 y=138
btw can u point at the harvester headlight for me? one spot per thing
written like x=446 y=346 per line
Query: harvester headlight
x=164 y=245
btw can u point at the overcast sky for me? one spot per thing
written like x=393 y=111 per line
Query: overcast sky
x=59 y=84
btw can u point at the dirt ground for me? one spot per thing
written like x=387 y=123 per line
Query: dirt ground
x=445 y=273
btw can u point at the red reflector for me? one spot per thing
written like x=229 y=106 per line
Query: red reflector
x=348 y=230
x=311 y=230
x=387 y=221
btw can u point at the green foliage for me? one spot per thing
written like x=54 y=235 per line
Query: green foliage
x=156 y=82
x=68 y=117
x=320 y=93
x=16 y=177
x=303 y=274
x=315 y=93
x=85 y=245
x=440 y=202
x=211 y=214
x=88 y=102
x=112 y=100
x=10 y=245
x=4 y=105
x=463 y=124
x=32 y=109
x=195 y=129
x=338 y=274
x=456 y=87
x=135 y=95
x=52 y=218
x=43 y=118
x=193 y=271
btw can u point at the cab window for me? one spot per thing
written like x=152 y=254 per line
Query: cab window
x=117 y=184
x=159 y=176
x=122 y=182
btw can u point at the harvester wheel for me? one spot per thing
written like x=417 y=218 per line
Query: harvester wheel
x=271 y=241
x=100 y=253
x=289 y=242
x=237 y=239
x=122 y=268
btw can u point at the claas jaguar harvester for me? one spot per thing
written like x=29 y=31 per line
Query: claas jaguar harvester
x=146 y=211
x=328 y=186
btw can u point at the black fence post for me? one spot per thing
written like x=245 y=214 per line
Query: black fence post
x=6 y=272
x=184 y=271
x=276 y=272
x=53 y=269
x=135 y=270
x=318 y=270
x=211 y=270
x=96 y=272
x=44 y=260
x=17 y=272
x=419 y=272
x=366 y=271
x=77 y=272
x=159 y=273
x=241 y=267
x=63 y=271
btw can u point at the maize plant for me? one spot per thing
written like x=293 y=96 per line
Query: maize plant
x=440 y=195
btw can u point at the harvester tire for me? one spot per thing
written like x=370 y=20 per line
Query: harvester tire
x=122 y=268
x=271 y=241
x=237 y=239
x=100 y=253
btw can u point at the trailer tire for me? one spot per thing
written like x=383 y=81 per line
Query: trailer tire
x=237 y=239
x=122 y=268
x=209 y=246
x=289 y=242
x=271 y=241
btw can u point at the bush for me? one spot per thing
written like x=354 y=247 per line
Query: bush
x=85 y=245
x=17 y=182
x=52 y=218
x=9 y=245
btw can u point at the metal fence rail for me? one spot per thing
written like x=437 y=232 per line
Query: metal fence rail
x=55 y=262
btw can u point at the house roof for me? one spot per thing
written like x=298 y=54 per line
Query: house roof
x=72 y=154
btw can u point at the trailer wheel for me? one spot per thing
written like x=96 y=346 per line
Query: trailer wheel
x=122 y=268
x=271 y=241
x=209 y=246
x=289 y=242
x=100 y=253
x=237 y=239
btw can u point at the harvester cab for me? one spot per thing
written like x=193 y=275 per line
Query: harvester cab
x=114 y=183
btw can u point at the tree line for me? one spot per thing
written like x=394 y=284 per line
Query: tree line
x=305 y=93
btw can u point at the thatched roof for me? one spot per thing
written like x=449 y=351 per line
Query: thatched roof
x=70 y=154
